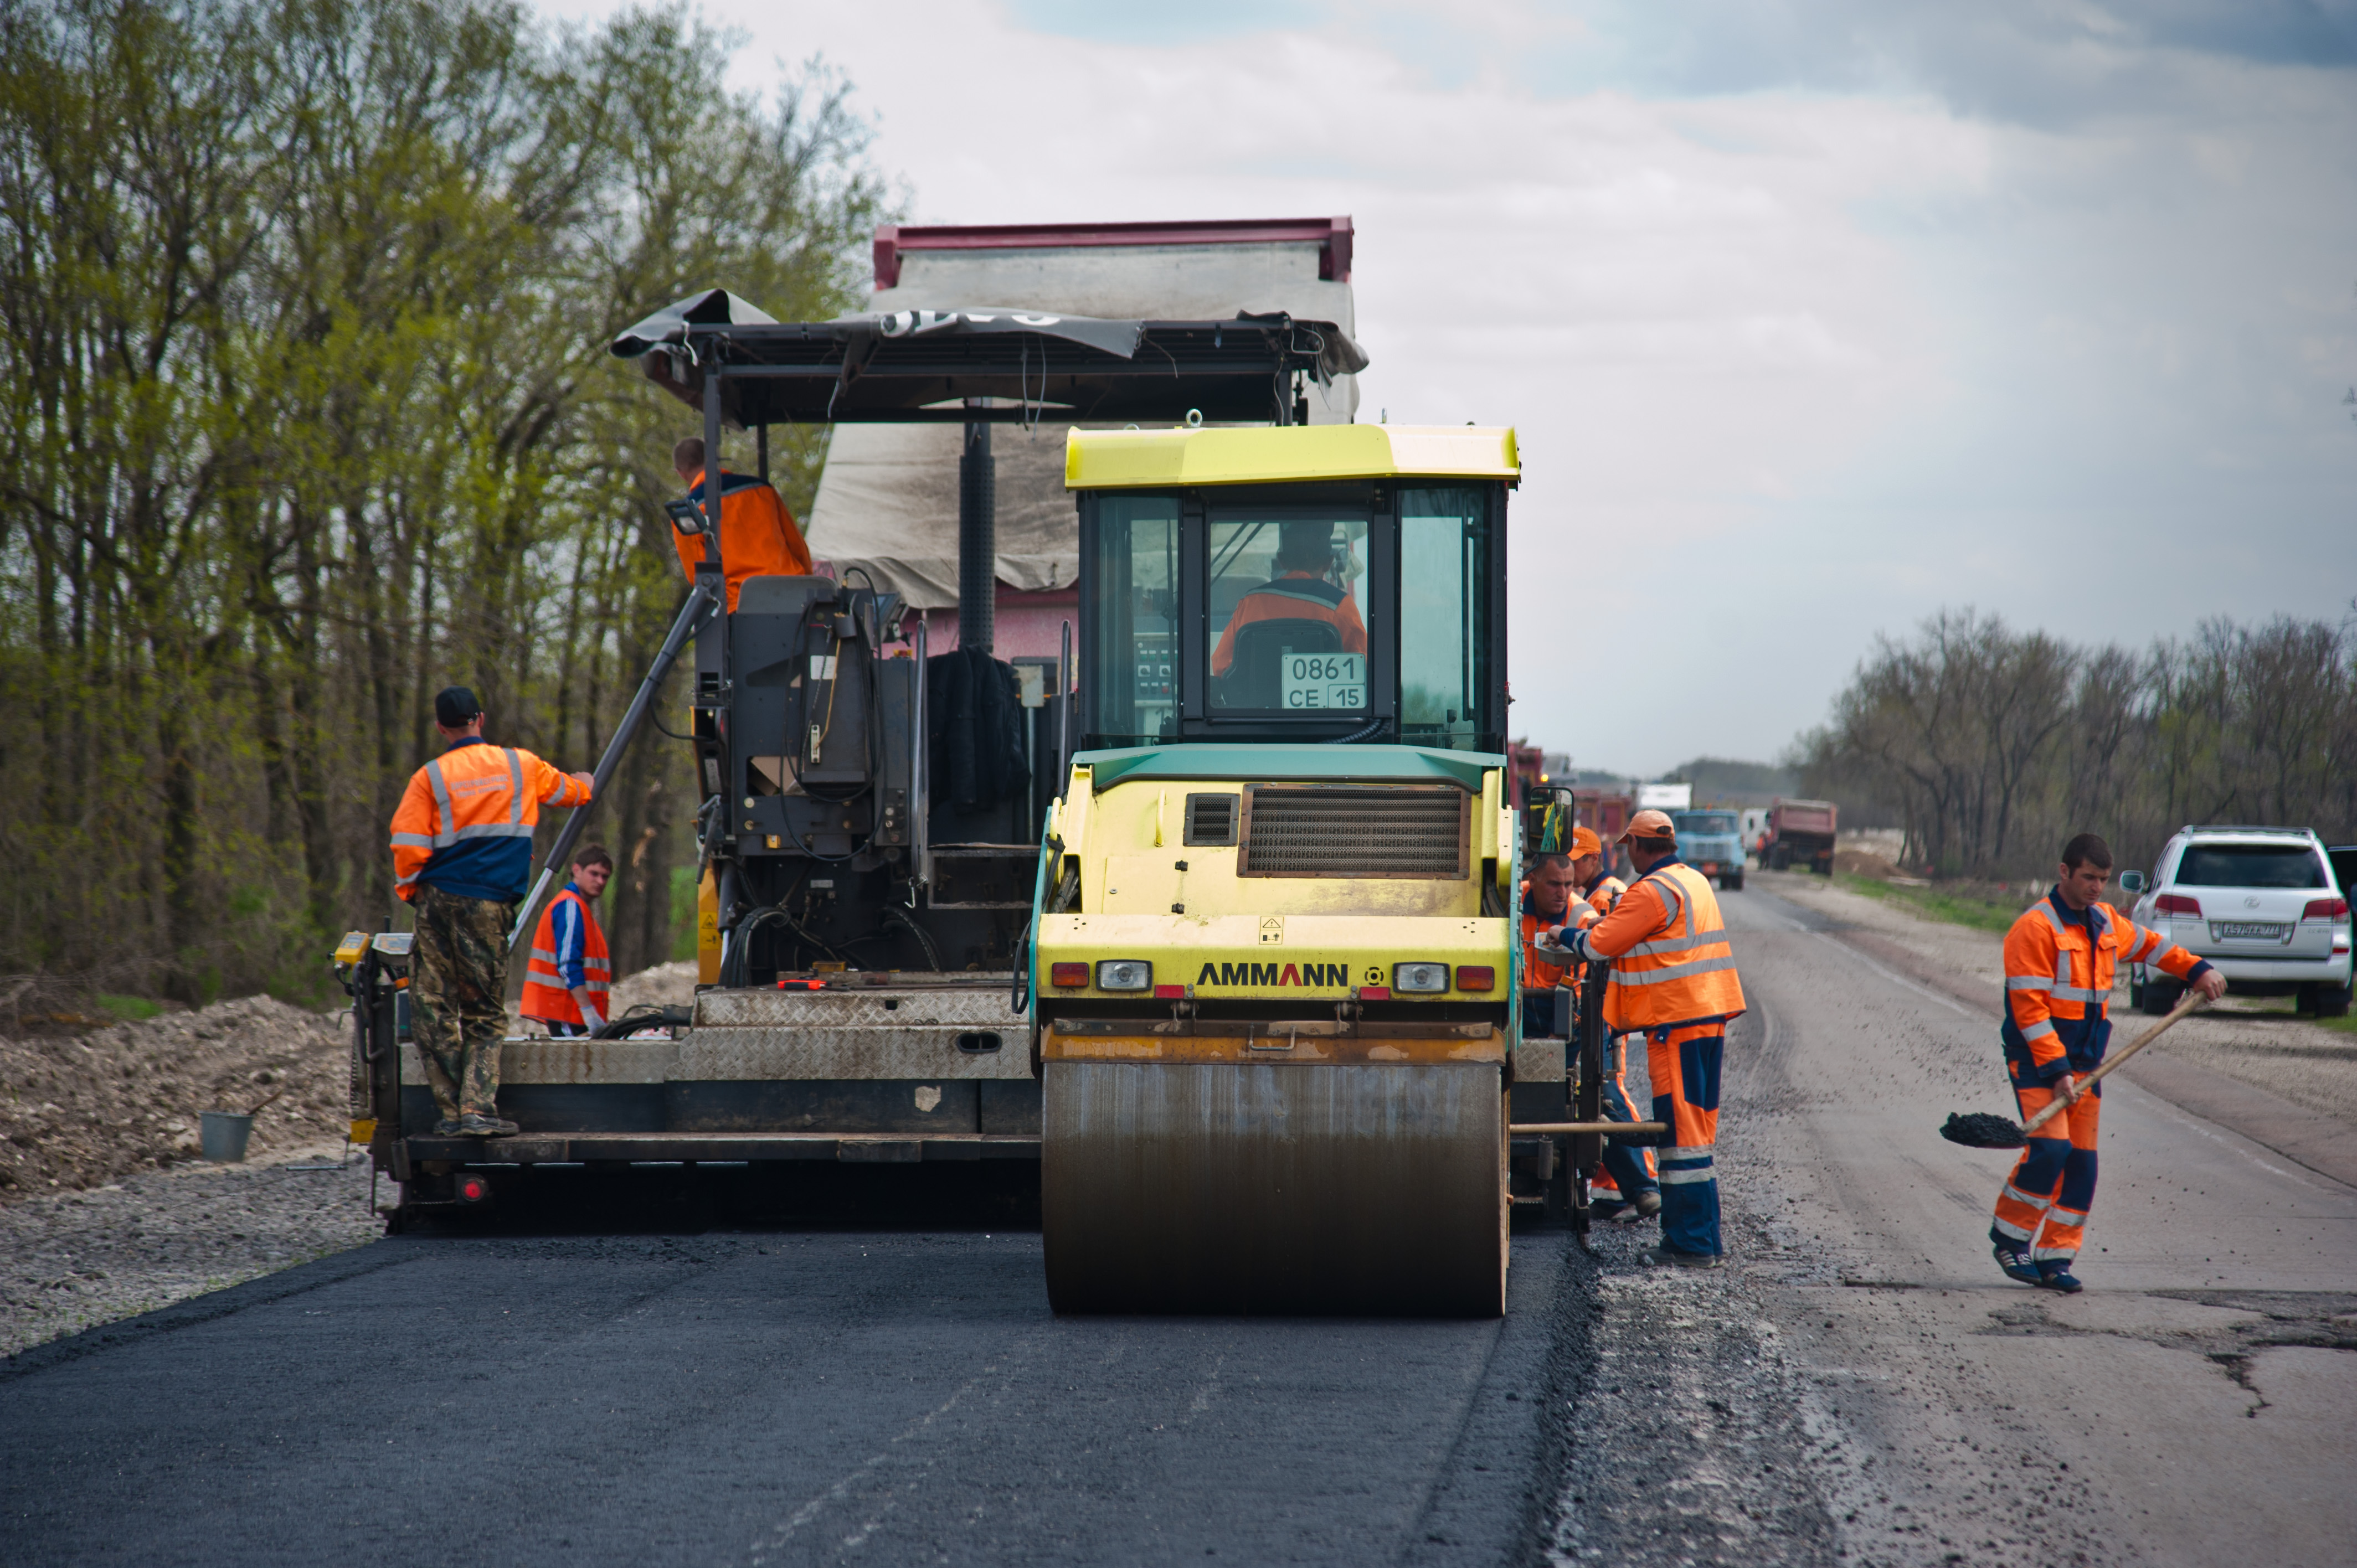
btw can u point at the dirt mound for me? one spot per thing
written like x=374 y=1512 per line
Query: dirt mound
x=77 y=1113
x=1864 y=862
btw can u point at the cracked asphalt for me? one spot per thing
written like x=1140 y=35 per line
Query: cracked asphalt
x=1858 y=1386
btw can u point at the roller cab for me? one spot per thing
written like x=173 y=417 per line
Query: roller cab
x=1273 y=963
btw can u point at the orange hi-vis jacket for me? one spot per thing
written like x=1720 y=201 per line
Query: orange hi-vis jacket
x=1604 y=894
x=1295 y=596
x=1537 y=972
x=758 y=535
x=464 y=822
x=568 y=950
x=1672 y=961
x=2059 y=967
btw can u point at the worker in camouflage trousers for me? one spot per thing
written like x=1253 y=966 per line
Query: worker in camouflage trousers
x=461 y=855
x=458 y=1006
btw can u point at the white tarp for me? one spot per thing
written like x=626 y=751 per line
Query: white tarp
x=888 y=499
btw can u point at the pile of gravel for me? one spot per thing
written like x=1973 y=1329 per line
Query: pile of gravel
x=77 y=1113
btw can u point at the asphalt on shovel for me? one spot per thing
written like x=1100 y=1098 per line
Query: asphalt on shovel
x=1982 y=1131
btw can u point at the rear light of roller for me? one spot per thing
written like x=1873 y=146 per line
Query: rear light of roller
x=2176 y=904
x=1169 y=992
x=1375 y=993
x=2326 y=909
x=1125 y=974
x=1476 y=977
x=1068 y=975
x=1420 y=978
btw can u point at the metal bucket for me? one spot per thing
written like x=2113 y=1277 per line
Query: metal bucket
x=225 y=1134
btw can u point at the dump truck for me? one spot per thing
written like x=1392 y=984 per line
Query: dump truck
x=1801 y=833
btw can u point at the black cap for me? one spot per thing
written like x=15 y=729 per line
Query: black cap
x=455 y=707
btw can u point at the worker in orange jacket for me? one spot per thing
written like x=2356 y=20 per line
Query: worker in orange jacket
x=461 y=856
x=1303 y=589
x=759 y=537
x=569 y=971
x=2059 y=960
x=1674 y=980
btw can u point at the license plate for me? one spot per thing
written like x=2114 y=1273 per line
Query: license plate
x=2248 y=931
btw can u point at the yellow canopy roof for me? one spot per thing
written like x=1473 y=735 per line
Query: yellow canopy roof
x=1128 y=459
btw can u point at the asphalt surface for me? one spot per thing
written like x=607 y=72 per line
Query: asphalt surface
x=1858 y=1386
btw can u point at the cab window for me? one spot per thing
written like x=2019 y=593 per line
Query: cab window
x=1134 y=663
x=1444 y=662
x=1286 y=613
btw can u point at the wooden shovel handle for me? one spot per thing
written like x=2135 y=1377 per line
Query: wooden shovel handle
x=2192 y=999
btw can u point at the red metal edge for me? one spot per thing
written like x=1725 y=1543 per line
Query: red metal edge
x=1333 y=236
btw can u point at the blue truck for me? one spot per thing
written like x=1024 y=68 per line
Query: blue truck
x=1712 y=843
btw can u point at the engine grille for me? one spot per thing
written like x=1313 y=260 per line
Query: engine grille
x=1340 y=831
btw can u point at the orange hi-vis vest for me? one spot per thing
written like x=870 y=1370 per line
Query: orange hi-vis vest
x=1537 y=972
x=1672 y=961
x=2058 y=980
x=757 y=536
x=464 y=822
x=568 y=936
x=1295 y=596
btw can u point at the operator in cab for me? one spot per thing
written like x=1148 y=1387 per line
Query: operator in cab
x=1304 y=588
x=759 y=537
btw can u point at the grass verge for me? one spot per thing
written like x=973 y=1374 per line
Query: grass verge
x=1956 y=907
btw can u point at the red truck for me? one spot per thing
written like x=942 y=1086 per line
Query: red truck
x=1801 y=831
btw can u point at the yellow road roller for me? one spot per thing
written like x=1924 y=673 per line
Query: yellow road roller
x=1272 y=967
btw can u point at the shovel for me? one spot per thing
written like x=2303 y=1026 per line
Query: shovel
x=1981 y=1130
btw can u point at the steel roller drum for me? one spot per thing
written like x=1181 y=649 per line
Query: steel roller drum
x=1346 y=1189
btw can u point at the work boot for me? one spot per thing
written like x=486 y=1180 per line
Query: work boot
x=475 y=1124
x=447 y=1128
x=2014 y=1259
x=2055 y=1275
x=1648 y=1203
x=1669 y=1258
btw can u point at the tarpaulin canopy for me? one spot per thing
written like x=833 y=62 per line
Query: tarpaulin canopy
x=921 y=366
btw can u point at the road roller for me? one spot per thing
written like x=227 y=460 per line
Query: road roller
x=1275 y=1004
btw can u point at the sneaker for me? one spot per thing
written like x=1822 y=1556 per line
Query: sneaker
x=447 y=1128
x=1668 y=1257
x=474 y=1124
x=1648 y=1205
x=1608 y=1209
x=2057 y=1277
x=2014 y=1259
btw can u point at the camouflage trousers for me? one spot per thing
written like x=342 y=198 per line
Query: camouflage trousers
x=457 y=997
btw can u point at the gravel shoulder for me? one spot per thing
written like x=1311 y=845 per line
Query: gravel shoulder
x=2251 y=1042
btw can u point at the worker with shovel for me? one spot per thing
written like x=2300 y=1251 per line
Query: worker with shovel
x=461 y=855
x=2060 y=959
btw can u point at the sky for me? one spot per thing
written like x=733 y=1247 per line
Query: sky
x=1812 y=319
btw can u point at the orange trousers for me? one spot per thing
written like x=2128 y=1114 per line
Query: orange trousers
x=2044 y=1202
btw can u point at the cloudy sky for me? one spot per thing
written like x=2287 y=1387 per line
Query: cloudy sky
x=1813 y=318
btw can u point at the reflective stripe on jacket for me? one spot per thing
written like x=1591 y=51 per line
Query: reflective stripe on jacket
x=758 y=535
x=2059 y=968
x=464 y=822
x=568 y=950
x=1672 y=961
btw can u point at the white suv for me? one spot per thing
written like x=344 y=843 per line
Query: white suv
x=2261 y=904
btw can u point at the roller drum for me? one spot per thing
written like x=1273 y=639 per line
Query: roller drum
x=1361 y=1188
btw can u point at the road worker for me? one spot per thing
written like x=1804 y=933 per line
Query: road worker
x=567 y=976
x=461 y=855
x=759 y=537
x=1549 y=904
x=1673 y=980
x=1624 y=1184
x=1303 y=589
x=2060 y=959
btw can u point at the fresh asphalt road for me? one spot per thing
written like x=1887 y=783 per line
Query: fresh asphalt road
x=1860 y=1387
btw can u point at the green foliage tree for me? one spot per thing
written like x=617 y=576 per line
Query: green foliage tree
x=304 y=306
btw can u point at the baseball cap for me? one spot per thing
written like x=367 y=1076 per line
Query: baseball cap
x=455 y=707
x=1649 y=825
x=1584 y=842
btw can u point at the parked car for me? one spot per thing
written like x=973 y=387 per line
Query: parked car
x=1712 y=843
x=2263 y=905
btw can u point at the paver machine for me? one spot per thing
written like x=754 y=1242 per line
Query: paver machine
x=1247 y=989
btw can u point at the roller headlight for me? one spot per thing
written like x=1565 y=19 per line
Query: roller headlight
x=1125 y=974
x=1415 y=977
